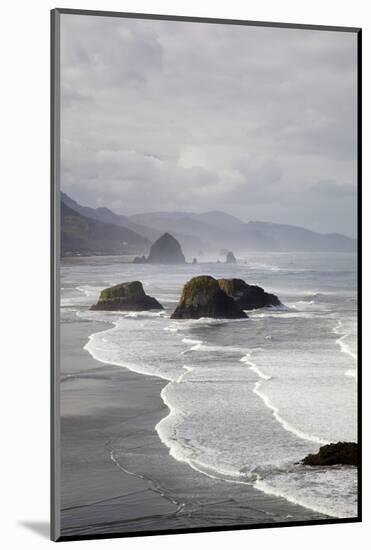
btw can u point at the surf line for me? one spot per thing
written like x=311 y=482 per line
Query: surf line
x=344 y=348
x=275 y=410
x=246 y=359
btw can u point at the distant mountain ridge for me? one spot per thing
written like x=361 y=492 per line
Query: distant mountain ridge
x=226 y=231
x=211 y=231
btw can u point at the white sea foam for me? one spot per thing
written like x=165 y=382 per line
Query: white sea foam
x=266 y=488
x=264 y=267
x=200 y=346
x=187 y=371
x=247 y=359
x=104 y=354
x=288 y=427
x=205 y=321
x=184 y=453
x=190 y=341
x=352 y=373
x=89 y=290
x=164 y=429
x=143 y=314
x=311 y=306
x=65 y=302
x=171 y=328
x=345 y=348
x=283 y=314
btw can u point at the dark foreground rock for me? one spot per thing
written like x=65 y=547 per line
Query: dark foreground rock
x=334 y=453
x=126 y=297
x=203 y=297
x=166 y=250
x=248 y=296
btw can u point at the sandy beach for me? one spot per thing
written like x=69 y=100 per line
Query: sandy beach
x=117 y=476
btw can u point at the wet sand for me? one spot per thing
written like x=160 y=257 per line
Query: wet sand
x=117 y=476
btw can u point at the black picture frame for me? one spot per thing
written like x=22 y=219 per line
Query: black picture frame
x=55 y=258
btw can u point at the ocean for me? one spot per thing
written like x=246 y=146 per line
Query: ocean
x=249 y=398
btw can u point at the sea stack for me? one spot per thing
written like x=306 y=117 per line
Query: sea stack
x=248 y=296
x=140 y=260
x=166 y=250
x=230 y=258
x=342 y=453
x=203 y=297
x=126 y=297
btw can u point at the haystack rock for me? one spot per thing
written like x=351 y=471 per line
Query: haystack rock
x=230 y=258
x=343 y=452
x=203 y=297
x=248 y=296
x=166 y=250
x=126 y=297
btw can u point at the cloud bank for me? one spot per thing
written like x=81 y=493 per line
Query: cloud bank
x=259 y=122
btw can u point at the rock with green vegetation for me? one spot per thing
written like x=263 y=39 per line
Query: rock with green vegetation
x=248 y=296
x=166 y=250
x=126 y=297
x=203 y=297
x=230 y=258
x=343 y=452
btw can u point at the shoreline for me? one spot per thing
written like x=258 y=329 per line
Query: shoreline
x=118 y=476
x=96 y=496
x=214 y=473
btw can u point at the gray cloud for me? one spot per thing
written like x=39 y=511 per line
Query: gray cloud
x=259 y=122
x=330 y=188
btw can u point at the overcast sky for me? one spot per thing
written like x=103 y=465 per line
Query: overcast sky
x=258 y=122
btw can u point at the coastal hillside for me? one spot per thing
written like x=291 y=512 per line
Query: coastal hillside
x=83 y=236
x=190 y=243
x=106 y=215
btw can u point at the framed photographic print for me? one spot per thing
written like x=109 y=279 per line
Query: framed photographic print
x=205 y=274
